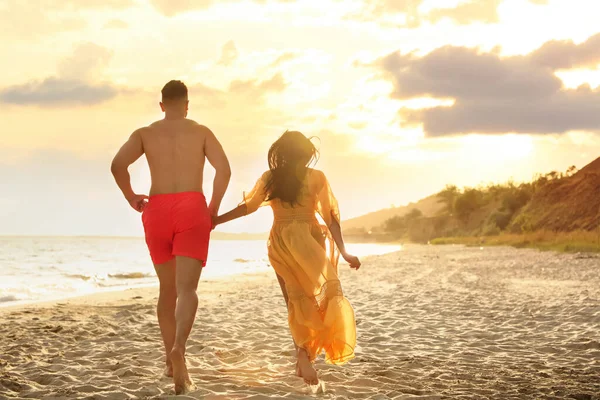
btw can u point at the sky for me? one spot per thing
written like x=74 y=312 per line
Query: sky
x=405 y=96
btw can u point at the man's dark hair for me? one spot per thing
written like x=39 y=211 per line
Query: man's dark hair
x=174 y=90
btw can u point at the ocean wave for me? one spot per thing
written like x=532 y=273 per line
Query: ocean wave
x=130 y=275
x=97 y=278
x=81 y=276
x=9 y=298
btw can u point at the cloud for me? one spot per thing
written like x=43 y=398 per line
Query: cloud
x=87 y=4
x=485 y=11
x=73 y=85
x=379 y=9
x=465 y=12
x=257 y=89
x=238 y=91
x=283 y=58
x=495 y=94
x=116 y=24
x=87 y=62
x=565 y=54
x=229 y=53
x=30 y=19
x=21 y=19
x=171 y=8
x=57 y=92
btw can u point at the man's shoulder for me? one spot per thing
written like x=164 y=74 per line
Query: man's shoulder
x=142 y=131
x=154 y=126
x=198 y=127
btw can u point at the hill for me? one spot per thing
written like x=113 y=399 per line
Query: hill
x=565 y=205
x=552 y=203
x=429 y=206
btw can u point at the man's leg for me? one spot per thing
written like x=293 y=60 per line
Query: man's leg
x=165 y=310
x=187 y=276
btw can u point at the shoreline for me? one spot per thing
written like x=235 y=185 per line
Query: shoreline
x=85 y=270
x=116 y=295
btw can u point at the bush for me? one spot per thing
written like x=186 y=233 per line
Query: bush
x=415 y=213
x=515 y=199
x=491 y=230
x=448 y=197
x=396 y=225
x=467 y=203
x=522 y=224
x=500 y=219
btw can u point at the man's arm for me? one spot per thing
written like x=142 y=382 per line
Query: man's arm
x=217 y=158
x=129 y=153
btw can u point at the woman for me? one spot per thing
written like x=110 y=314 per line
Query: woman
x=320 y=318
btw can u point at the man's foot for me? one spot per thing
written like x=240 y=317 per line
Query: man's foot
x=168 y=372
x=306 y=369
x=181 y=378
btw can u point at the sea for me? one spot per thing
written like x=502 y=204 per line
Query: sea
x=34 y=269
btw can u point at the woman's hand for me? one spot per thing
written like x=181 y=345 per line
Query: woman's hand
x=215 y=221
x=352 y=260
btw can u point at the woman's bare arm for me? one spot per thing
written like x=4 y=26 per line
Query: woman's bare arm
x=238 y=212
x=336 y=233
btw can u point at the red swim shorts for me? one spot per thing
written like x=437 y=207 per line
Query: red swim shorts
x=177 y=224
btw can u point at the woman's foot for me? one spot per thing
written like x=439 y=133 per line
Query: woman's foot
x=306 y=370
x=298 y=372
x=181 y=377
x=168 y=370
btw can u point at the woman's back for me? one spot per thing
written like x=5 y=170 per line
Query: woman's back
x=315 y=196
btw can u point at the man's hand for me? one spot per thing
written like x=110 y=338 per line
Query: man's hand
x=138 y=202
x=352 y=260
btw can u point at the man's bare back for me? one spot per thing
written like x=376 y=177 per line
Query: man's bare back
x=175 y=150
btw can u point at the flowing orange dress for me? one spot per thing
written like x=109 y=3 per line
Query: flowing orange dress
x=303 y=253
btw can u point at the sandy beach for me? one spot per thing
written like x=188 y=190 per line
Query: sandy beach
x=433 y=323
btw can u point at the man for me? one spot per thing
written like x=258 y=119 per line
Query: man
x=177 y=221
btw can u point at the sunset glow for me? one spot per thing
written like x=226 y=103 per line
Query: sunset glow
x=434 y=94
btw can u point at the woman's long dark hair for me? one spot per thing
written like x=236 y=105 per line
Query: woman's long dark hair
x=289 y=158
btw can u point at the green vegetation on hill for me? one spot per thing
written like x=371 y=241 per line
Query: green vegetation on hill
x=556 y=211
